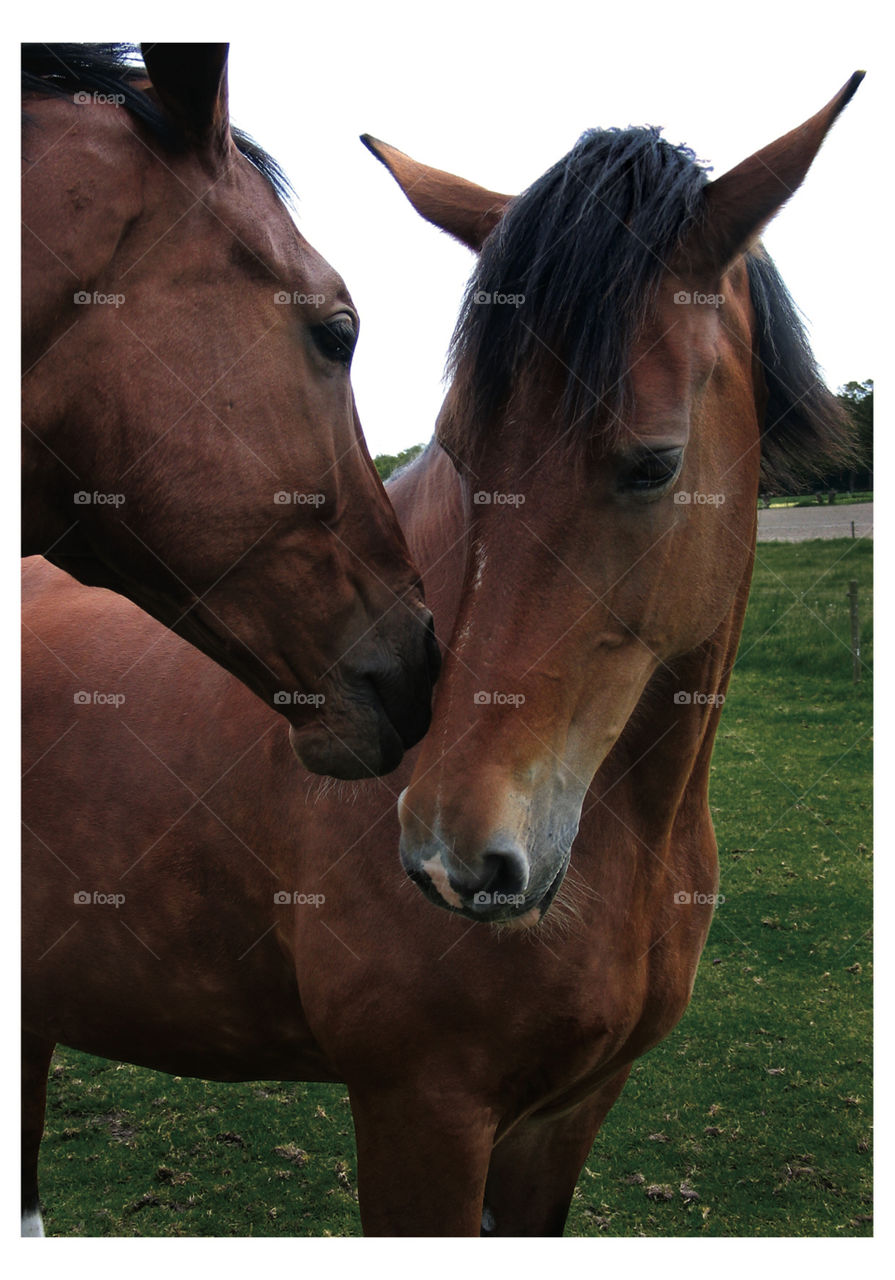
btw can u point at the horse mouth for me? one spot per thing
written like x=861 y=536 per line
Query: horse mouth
x=532 y=913
x=321 y=749
x=518 y=913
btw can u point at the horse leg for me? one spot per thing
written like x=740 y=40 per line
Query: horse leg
x=36 y=1055
x=421 y=1162
x=534 y=1169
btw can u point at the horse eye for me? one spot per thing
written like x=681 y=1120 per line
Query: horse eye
x=336 y=338
x=651 y=472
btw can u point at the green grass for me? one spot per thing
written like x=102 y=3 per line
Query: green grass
x=752 y=1119
x=130 y=1152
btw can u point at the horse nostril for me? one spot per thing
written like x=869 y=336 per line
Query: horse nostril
x=504 y=875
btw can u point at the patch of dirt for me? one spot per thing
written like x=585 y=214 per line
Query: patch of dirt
x=119 y=1125
x=230 y=1139
x=292 y=1153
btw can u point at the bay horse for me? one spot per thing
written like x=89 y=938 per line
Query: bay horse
x=190 y=433
x=196 y=905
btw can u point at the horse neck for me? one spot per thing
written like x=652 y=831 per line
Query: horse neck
x=431 y=505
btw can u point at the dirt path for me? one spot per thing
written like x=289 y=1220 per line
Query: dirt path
x=798 y=524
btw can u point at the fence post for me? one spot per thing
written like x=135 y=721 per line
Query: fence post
x=855 y=630
x=852 y=528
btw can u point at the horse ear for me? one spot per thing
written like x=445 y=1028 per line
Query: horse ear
x=465 y=211
x=740 y=203
x=190 y=81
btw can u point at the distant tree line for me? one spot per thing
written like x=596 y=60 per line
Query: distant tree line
x=857 y=398
x=386 y=463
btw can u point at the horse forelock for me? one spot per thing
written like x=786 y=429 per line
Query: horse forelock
x=565 y=284
x=60 y=70
x=568 y=277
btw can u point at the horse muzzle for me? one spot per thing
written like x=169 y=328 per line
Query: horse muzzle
x=506 y=877
x=378 y=708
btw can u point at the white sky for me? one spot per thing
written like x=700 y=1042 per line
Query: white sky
x=497 y=93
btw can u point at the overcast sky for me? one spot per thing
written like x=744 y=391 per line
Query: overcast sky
x=497 y=93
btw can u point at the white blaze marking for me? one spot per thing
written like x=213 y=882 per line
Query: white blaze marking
x=479 y=558
x=32 y=1223
x=437 y=873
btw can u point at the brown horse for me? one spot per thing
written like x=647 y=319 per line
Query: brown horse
x=190 y=434
x=586 y=529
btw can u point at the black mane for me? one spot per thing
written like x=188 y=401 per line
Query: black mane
x=586 y=246
x=64 y=69
x=807 y=431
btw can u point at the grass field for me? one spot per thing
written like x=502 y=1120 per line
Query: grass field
x=752 y=1119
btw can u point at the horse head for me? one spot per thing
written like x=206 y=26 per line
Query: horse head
x=191 y=435
x=626 y=362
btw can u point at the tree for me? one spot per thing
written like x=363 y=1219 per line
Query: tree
x=858 y=400
x=386 y=463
